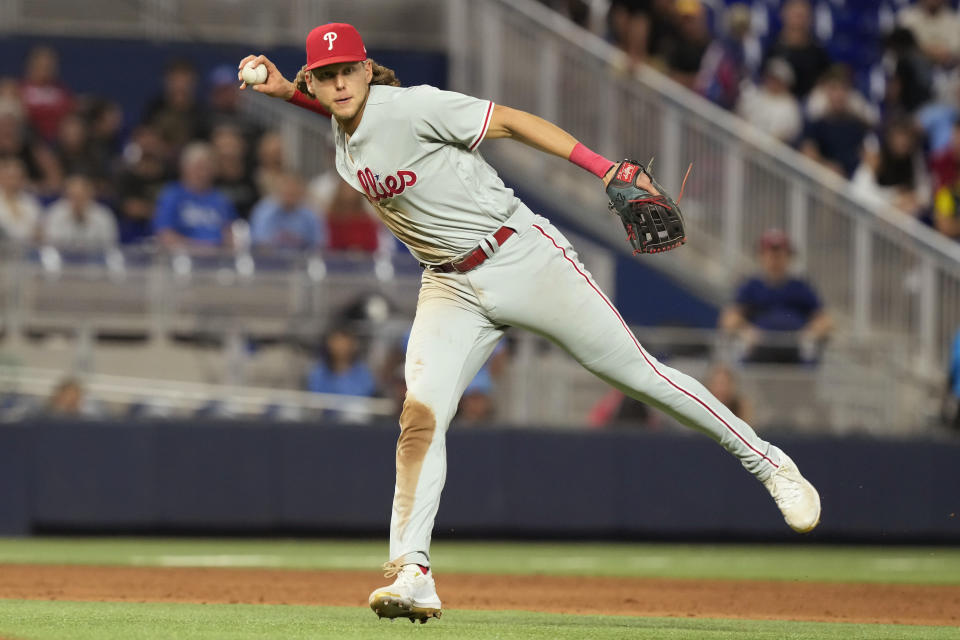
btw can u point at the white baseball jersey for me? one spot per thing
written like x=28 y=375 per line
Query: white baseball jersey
x=415 y=157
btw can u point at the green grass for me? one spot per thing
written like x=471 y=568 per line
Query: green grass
x=32 y=620
x=46 y=620
x=916 y=565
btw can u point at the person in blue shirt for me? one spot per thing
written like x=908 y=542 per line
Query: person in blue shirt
x=284 y=221
x=778 y=318
x=340 y=369
x=951 y=411
x=192 y=211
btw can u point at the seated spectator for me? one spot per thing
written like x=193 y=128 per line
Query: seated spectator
x=191 y=211
x=233 y=177
x=894 y=170
x=284 y=221
x=722 y=383
x=799 y=47
x=937 y=29
x=476 y=403
x=946 y=209
x=818 y=102
x=577 y=11
x=730 y=60
x=835 y=139
x=340 y=369
x=349 y=226
x=909 y=74
x=10 y=102
x=643 y=28
x=41 y=165
x=940 y=120
x=779 y=307
x=175 y=113
x=77 y=221
x=70 y=398
x=630 y=28
x=684 y=55
x=771 y=107
x=271 y=163
x=945 y=164
x=105 y=119
x=139 y=184
x=223 y=103
x=951 y=412
x=617 y=410
x=74 y=150
x=19 y=209
x=45 y=98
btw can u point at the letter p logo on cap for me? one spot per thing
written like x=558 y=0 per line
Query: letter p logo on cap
x=320 y=45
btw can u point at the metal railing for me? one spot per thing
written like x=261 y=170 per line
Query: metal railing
x=155 y=293
x=108 y=395
x=880 y=271
x=855 y=388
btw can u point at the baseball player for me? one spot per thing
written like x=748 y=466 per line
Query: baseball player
x=491 y=263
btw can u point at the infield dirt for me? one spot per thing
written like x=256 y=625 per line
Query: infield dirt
x=754 y=599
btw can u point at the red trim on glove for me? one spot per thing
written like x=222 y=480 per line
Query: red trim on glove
x=304 y=101
x=592 y=162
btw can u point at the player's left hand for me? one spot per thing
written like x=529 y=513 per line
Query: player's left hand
x=652 y=219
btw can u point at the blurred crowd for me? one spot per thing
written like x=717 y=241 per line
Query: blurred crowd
x=78 y=173
x=868 y=88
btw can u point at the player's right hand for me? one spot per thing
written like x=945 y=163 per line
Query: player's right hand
x=276 y=86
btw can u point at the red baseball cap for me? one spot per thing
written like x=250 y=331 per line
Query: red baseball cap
x=333 y=43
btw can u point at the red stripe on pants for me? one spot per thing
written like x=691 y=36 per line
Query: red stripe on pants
x=642 y=353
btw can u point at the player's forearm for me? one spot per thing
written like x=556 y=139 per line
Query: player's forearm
x=309 y=103
x=545 y=136
x=531 y=130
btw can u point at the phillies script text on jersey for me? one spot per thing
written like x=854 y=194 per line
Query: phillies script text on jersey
x=390 y=187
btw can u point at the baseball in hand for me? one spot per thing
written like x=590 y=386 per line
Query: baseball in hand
x=254 y=75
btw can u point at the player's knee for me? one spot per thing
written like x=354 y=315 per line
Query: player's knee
x=417 y=427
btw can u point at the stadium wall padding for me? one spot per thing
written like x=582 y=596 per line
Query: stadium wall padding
x=260 y=478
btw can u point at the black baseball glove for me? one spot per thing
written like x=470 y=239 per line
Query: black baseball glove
x=653 y=221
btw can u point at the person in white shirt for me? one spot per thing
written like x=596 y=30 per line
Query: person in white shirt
x=19 y=209
x=937 y=29
x=77 y=221
x=771 y=107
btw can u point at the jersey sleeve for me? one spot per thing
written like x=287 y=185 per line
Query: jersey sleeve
x=306 y=102
x=447 y=116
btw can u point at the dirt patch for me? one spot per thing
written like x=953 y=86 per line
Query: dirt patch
x=827 y=602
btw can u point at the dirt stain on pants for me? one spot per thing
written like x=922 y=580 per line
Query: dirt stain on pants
x=417 y=426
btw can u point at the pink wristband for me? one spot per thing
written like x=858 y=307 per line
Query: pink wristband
x=592 y=162
x=306 y=102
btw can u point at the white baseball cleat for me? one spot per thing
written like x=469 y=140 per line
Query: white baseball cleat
x=798 y=500
x=412 y=595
